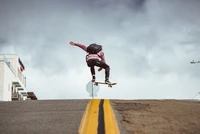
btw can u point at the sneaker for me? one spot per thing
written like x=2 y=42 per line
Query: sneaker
x=107 y=81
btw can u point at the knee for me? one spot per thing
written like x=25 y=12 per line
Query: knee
x=108 y=68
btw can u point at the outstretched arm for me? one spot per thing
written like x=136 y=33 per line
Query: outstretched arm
x=79 y=45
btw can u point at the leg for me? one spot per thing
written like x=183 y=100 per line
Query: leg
x=90 y=64
x=105 y=66
x=92 y=70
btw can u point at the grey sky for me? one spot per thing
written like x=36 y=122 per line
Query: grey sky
x=148 y=45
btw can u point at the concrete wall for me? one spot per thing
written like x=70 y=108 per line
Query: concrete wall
x=9 y=77
x=1 y=79
x=9 y=73
x=13 y=59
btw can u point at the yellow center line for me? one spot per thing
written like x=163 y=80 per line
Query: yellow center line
x=111 y=126
x=89 y=122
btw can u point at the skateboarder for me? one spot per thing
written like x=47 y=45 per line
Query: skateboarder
x=95 y=57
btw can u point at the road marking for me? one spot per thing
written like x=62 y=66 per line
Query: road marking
x=111 y=126
x=98 y=118
x=89 y=122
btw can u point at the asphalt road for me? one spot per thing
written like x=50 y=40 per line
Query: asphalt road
x=41 y=116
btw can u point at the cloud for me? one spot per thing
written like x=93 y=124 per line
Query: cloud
x=143 y=41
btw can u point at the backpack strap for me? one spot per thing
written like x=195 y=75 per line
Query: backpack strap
x=89 y=54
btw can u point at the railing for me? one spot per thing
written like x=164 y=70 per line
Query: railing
x=3 y=58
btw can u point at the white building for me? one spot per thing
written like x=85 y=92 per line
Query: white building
x=12 y=78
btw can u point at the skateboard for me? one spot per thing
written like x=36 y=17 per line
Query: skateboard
x=109 y=85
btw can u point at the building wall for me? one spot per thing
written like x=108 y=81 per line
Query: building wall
x=9 y=76
x=20 y=75
x=1 y=79
x=12 y=78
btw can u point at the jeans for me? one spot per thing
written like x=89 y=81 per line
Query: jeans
x=95 y=62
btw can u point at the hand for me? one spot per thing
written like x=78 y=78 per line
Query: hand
x=100 y=69
x=72 y=43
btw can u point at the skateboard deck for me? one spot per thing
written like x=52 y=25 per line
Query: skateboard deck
x=109 y=85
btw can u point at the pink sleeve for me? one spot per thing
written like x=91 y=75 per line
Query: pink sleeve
x=101 y=55
x=81 y=46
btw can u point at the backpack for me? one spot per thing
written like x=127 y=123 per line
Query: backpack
x=94 y=48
